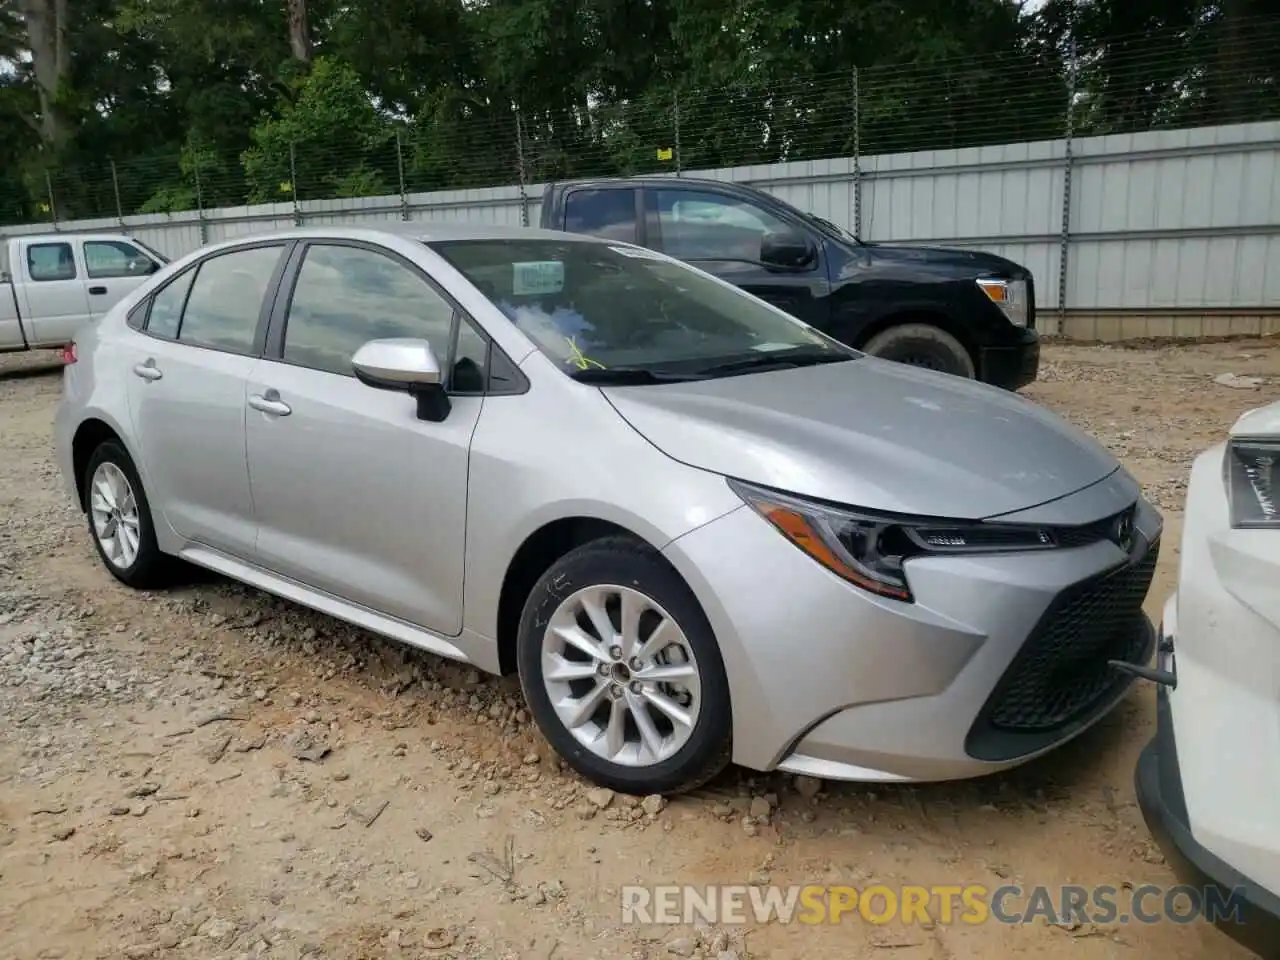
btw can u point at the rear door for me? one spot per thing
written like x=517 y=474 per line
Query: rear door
x=722 y=233
x=113 y=268
x=186 y=373
x=54 y=299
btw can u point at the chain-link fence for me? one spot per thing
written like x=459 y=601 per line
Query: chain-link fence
x=1044 y=91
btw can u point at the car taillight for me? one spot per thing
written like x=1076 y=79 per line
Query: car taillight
x=69 y=353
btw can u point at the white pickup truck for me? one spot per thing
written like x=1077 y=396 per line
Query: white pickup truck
x=54 y=283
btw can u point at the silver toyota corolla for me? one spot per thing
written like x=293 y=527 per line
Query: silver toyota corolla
x=696 y=528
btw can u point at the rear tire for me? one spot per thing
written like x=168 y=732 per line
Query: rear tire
x=645 y=709
x=922 y=345
x=120 y=519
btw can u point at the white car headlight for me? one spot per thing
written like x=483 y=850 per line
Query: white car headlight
x=1010 y=296
x=1251 y=475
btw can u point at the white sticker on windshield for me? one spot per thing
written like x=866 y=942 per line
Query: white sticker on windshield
x=767 y=347
x=537 y=278
x=637 y=253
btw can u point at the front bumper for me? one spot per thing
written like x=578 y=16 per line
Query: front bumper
x=1207 y=782
x=1012 y=366
x=829 y=680
x=1253 y=915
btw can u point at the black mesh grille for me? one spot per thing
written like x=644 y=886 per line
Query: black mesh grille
x=1061 y=677
x=1088 y=533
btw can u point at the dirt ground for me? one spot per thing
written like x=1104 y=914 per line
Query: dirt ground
x=211 y=772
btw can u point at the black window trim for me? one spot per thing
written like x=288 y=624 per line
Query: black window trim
x=193 y=271
x=277 y=321
x=640 y=223
x=26 y=255
x=653 y=223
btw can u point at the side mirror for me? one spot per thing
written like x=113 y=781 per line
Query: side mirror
x=408 y=365
x=790 y=250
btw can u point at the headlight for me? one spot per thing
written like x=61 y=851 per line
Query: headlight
x=1010 y=296
x=1251 y=482
x=870 y=549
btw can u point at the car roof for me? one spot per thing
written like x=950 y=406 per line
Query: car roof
x=660 y=178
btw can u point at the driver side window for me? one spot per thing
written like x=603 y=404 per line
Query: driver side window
x=106 y=259
x=347 y=296
x=709 y=226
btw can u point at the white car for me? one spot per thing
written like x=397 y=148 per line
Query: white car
x=1209 y=782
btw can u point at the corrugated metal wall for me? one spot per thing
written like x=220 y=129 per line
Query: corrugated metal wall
x=1169 y=232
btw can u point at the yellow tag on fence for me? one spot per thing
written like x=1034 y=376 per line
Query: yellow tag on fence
x=665 y=153
x=286 y=187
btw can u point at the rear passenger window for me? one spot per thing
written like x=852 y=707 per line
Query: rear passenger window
x=166 y=308
x=51 y=261
x=226 y=299
x=610 y=214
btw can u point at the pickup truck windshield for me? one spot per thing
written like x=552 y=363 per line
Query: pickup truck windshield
x=593 y=307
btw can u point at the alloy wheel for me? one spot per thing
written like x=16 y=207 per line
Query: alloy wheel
x=113 y=507
x=621 y=675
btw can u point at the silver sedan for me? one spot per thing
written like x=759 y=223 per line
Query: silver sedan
x=697 y=529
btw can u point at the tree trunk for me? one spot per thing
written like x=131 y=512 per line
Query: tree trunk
x=46 y=22
x=299 y=30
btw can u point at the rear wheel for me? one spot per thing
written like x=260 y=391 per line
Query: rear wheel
x=622 y=672
x=120 y=519
x=922 y=345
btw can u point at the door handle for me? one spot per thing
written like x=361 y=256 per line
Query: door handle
x=97 y=291
x=147 y=371
x=270 y=403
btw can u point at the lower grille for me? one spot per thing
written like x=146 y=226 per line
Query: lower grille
x=1061 y=676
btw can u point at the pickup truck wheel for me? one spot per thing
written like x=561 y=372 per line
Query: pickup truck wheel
x=120 y=519
x=922 y=345
x=622 y=671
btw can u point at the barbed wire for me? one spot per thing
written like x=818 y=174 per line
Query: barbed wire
x=1163 y=80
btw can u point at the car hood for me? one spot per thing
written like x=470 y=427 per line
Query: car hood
x=873 y=434
x=1258 y=422
x=974 y=261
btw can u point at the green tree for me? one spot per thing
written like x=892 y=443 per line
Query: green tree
x=328 y=140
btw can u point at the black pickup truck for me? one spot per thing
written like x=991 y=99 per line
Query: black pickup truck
x=963 y=312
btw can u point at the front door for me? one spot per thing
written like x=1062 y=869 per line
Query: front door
x=54 y=288
x=186 y=374
x=354 y=495
x=722 y=234
x=114 y=268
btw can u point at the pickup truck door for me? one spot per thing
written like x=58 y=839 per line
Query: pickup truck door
x=114 y=268
x=52 y=289
x=721 y=233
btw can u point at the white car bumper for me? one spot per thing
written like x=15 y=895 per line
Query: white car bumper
x=1209 y=783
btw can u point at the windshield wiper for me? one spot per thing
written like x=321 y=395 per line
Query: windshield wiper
x=775 y=361
x=632 y=376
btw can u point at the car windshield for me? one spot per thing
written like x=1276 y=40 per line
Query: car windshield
x=605 y=311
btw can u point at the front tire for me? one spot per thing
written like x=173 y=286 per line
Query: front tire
x=622 y=672
x=922 y=345
x=120 y=519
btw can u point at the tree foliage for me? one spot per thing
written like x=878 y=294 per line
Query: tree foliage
x=160 y=105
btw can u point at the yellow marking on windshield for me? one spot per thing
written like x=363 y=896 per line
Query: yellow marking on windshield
x=578 y=358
